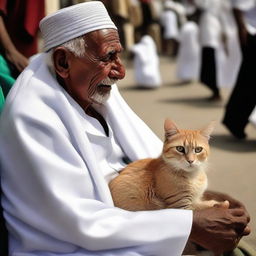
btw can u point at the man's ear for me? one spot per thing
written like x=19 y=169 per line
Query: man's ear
x=61 y=61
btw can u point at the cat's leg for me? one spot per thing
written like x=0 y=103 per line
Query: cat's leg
x=201 y=204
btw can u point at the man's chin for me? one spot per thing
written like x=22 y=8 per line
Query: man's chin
x=100 y=98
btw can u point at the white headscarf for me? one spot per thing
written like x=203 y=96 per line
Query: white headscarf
x=74 y=21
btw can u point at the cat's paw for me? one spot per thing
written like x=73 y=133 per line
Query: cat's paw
x=206 y=204
x=225 y=204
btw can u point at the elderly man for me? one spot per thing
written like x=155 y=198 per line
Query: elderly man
x=63 y=136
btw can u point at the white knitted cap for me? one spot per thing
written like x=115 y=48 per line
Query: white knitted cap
x=74 y=21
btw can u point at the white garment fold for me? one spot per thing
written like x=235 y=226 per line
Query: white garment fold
x=55 y=198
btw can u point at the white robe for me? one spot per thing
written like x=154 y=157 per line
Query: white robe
x=169 y=22
x=55 y=198
x=229 y=64
x=146 y=63
x=188 y=59
x=217 y=19
x=173 y=13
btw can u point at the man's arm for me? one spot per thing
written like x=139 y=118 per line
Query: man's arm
x=11 y=53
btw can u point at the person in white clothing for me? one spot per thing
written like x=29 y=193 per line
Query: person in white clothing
x=146 y=63
x=220 y=60
x=188 y=59
x=212 y=36
x=242 y=101
x=172 y=18
x=65 y=132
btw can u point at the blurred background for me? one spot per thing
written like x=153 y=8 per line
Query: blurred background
x=189 y=60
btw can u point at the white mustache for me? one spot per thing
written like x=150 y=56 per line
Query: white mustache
x=108 y=81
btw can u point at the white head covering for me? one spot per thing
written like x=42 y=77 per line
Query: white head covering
x=74 y=21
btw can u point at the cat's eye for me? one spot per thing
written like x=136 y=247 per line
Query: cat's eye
x=198 y=149
x=180 y=149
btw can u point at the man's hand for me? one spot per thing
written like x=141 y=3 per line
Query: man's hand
x=11 y=53
x=221 y=197
x=219 y=228
x=17 y=59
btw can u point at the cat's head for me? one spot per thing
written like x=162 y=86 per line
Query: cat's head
x=186 y=150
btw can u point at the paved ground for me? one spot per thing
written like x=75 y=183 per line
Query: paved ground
x=232 y=168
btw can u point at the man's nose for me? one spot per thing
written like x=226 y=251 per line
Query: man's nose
x=117 y=70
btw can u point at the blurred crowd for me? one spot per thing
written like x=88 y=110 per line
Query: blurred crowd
x=212 y=41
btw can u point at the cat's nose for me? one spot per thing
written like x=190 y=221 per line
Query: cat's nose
x=190 y=161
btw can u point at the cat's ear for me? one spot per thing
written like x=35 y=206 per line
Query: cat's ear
x=170 y=128
x=207 y=130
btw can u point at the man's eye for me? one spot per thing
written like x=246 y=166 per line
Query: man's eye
x=108 y=57
x=198 y=149
x=180 y=149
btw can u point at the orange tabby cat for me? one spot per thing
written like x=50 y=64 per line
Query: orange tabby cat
x=176 y=179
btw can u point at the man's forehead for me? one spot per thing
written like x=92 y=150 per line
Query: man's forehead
x=102 y=39
x=101 y=35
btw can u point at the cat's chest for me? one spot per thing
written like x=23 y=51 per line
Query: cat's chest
x=199 y=183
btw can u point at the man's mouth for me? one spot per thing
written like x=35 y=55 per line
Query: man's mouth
x=107 y=82
x=104 y=88
x=104 y=85
x=102 y=93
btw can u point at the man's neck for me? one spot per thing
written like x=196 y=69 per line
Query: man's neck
x=93 y=113
x=88 y=109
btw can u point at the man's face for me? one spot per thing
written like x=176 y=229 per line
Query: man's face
x=90 y=77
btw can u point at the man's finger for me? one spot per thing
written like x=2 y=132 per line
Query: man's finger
x=238 y=212
x=246 y=231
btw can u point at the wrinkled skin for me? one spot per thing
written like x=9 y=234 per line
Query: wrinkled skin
x=220 y=228
x=81 y=76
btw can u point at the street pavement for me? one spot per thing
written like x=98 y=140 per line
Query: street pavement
x=232 y=162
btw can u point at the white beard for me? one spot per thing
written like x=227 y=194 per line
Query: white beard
x=99 y=97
